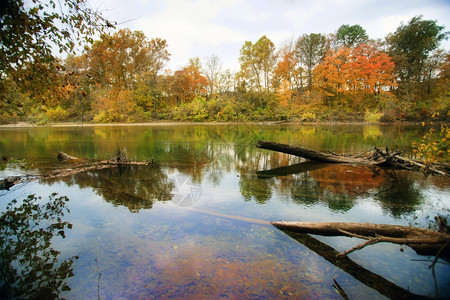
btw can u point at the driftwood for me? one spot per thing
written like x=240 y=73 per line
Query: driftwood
x=423 y=241
x=119 y=159
x=374 y=157
x=105 y=164
x=64 y=156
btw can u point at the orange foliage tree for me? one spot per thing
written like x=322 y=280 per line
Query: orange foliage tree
x=188 y=82
x=117 y=59
x=288 y=69
x=355 y=73
x=284 y=93
x=123 y=62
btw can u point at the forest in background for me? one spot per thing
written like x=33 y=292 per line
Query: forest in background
x=341 y=76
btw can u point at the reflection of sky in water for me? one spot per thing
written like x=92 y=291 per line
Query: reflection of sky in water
x=177 y=248
x=168 y=250
x=173 y=251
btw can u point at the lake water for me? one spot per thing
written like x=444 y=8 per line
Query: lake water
x=193 y=225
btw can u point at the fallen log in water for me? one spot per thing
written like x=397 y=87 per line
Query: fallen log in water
x=119 y=159
x=375 y=157
x=105 y=164
x=312 y=154
x=385 y=287
x=423 y=241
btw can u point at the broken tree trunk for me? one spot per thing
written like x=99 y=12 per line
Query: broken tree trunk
x=423 y=241
x=374 y=158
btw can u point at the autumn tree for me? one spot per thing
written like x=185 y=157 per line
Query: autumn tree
x=30 y=31
x=257 y=63
x=331 y=74
x=351 y=36
x=148 y=90
x=358 y=72
x=289 y=67
x=311 y=49
x=125 y=66
x=79 y=100
x=117 y=59
x=158 y=56
x=288 y=74
x=189 y=82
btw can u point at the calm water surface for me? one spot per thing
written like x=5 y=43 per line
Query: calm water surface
x=190 y=225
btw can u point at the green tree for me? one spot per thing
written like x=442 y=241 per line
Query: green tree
x=311 y=49
x=410 y=46
x=29 y=32
x=257 y=63
x=351 y=36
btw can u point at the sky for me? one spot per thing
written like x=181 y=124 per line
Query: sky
x=202 y=28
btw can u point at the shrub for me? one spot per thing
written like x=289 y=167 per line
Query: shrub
x=57 y=114
x=434 y=146
x=372 y=117
x=115 y=106
x=194 y=111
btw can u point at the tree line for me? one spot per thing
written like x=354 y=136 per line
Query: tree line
x=342 y=76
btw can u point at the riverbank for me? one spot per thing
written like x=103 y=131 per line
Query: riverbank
x=190 y=123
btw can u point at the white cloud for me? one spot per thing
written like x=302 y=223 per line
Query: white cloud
x=186 y=23
x=199 y=28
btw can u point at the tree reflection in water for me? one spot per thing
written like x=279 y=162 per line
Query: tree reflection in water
x=29 y=266
x=340 y=185
x=402 y=197
x=136 y=187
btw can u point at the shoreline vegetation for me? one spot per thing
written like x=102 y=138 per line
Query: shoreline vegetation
x=193 y=123
x=339 y=77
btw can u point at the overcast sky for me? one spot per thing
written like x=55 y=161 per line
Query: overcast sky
x=200 y=28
